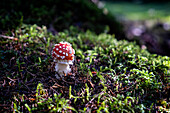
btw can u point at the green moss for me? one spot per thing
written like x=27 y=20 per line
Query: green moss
x=107 y=75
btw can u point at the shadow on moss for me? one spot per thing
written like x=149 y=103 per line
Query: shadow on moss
x=59 y=15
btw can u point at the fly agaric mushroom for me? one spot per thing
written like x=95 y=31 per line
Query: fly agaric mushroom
x=63 y=55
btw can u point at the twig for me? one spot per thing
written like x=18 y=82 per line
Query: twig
x=54 y=90
x=25 y=85
x=11 y=79
x=91 y=83
x=67 y=82
x=54 y=86
x=8 y=37
x=31 y=73
x=4 y=83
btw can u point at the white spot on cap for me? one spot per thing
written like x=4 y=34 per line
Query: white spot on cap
x=60 y=51
x=64 y=48
x=57 y=49
x=58 y=55
x=60 y=47
x=66 y=54
x=56 y=44
x=55 y=53
x=70 y=51
x=62 y=57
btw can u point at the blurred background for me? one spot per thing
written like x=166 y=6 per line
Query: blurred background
x=145 y=21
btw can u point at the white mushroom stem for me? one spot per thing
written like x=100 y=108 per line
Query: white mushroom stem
x=62 y=69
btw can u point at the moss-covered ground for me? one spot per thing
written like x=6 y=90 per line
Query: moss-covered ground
x=108 y=75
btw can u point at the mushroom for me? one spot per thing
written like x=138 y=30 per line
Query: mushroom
x=63 y=55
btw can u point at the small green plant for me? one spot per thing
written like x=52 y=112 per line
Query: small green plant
x=44 y=103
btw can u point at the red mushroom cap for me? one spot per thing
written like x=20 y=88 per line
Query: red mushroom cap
x=63 y=52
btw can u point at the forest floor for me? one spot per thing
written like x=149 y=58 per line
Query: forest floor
x=107 y=75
